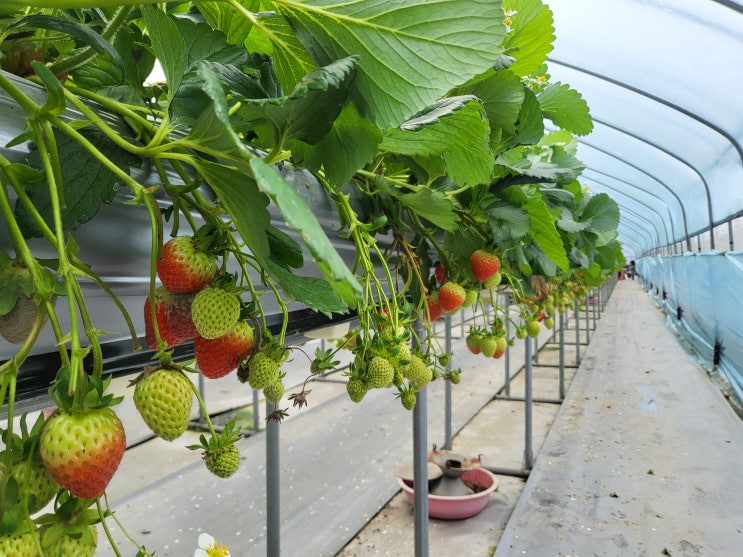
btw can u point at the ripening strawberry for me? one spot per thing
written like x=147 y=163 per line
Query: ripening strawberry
x=183 y=267
x=493 y=281
x=18 y=545
x=216 y=357
x=223 y=462
x=161 y=315
x=83 y=449
x=502 y=344
x=163 y=398
x=473 y=341
x=484 y=264
x=263 y=371
x=215 y=312
x=451 y=296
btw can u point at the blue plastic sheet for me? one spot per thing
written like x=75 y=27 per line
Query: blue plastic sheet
x=700 y=295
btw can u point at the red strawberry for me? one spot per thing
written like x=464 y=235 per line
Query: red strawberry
x=434 y=309
x=161 y=315
x=83 y=449
x=183 y=267
x=219 y=356
x=451 y=296
x=440 y=272
x=180 y=323
x=484 y=264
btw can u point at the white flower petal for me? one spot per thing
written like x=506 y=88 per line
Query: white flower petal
x=200 y=553
x=205 y=541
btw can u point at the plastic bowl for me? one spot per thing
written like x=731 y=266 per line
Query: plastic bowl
x=456 y=508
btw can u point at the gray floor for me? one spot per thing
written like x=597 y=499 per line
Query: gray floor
x=645 y=457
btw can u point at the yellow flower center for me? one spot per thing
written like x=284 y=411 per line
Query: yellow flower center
x=217 y=550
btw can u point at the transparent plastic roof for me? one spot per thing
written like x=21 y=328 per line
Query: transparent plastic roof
x=664 y=83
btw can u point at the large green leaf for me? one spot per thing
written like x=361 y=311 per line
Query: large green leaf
x=544 y=233
x=429 y=204
x=455 y=128
x=167 y=44
x=291 y=60
x=309 y=112
x=507 y=222
x=133 y=47
x=412 y=53
x=299 y=216
x=81 y=33
x=315 y=293
x=602 y=212
x=566 y=107
x=87 y=183
x=243 y=202
x=350 y=144
x=223 y=17
x=502 y=95
x=532 y=34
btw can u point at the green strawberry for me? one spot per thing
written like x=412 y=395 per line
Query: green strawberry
x=33 y=478
x=163 y=397
x=184 y=267
x=470 y=298
x=493 y=281
x=521 y=332
x=356 y=389
x=215 y=312
x=216 y=357
x=224 y=461
x=419 y=373
x=274 y=392
x=408 y=399
x=379 y=373
x=549 y=322
x=78 y=544
x=533 y=327
x=488 y=345
x=82 y=449
x=18 y=545
x=263 y=371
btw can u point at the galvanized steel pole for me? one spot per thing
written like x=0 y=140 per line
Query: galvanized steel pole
x=420 y=467
x=562 y=356
x=577 y=333
x=447 y=388
x=528 y=456
x=273 y=487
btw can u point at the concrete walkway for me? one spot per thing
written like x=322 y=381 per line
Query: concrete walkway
x=645 y=457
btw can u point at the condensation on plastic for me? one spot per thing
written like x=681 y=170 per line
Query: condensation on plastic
x=703 y=287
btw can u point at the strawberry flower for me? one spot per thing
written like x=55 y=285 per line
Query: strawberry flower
x=209 y=547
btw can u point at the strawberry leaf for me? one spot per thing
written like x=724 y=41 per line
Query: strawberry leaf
x=87 y=183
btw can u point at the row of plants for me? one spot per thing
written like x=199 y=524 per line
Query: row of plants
x=426 y=126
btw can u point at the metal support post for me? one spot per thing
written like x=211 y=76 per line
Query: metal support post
x=447 y=388
x=256 y=412
x=273 y=487
x=562 y=356
x=507 y=385
x=528 y=456
x=577 y=332
x=420 y=467
x=588 y=324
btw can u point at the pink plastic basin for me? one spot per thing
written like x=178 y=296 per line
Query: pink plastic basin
x=465 y=506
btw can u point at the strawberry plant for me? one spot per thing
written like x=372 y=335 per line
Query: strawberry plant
x=420 y=138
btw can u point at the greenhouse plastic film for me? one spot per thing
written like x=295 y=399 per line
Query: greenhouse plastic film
x=701 y=285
